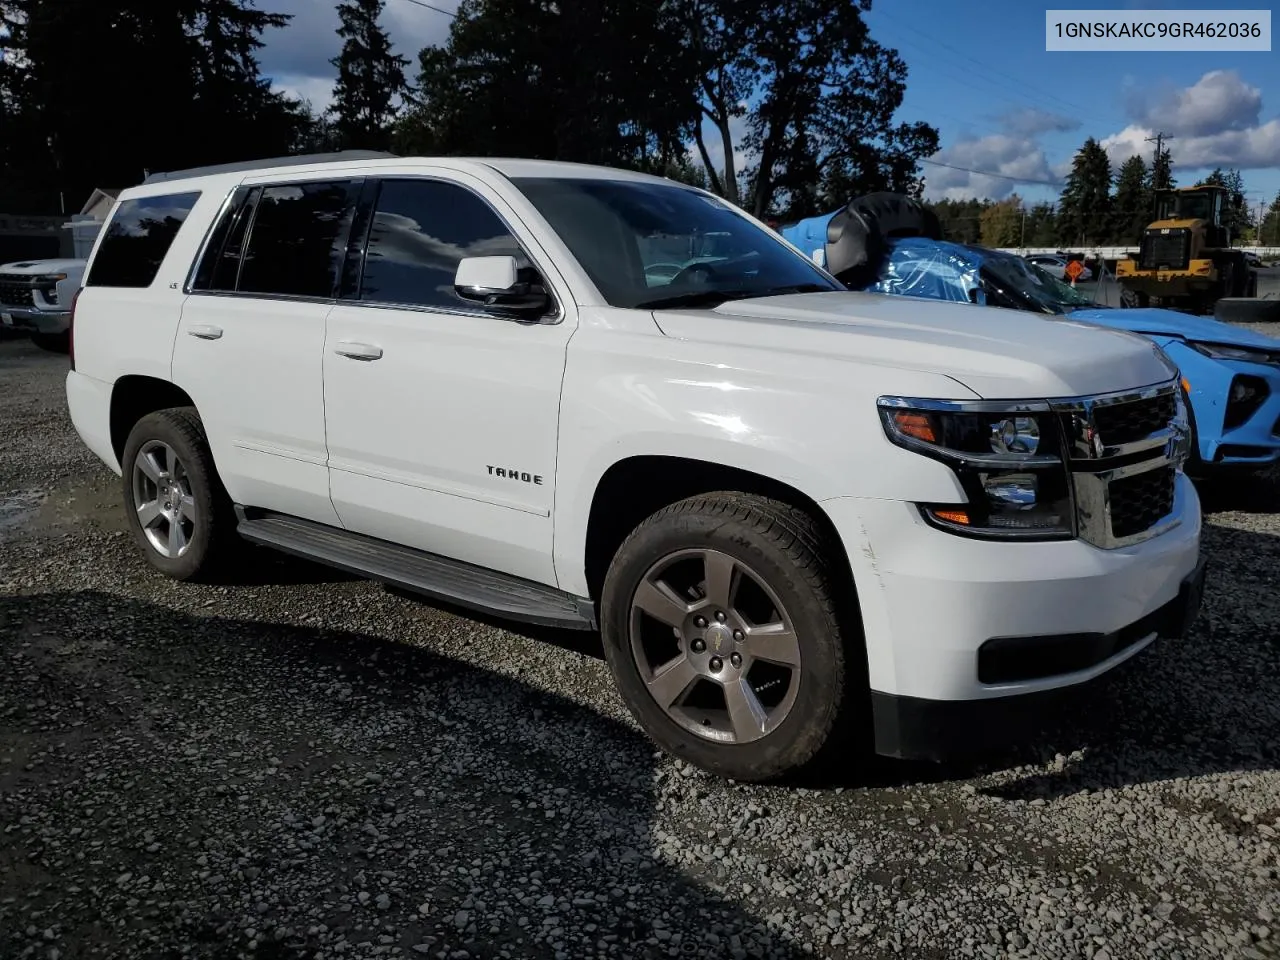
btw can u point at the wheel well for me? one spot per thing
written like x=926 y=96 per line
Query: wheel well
x=635 y=488
x=133 y=397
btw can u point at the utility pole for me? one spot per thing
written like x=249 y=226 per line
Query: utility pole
x=1158 y=140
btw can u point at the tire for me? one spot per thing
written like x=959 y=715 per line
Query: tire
x=1246 y=310
x=53 y=342
x=779 y=573
x=206 y=525
x=1132 y=299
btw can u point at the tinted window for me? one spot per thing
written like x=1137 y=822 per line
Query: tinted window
x=221 y=262
x=656 y=244
x=136 y=240
x=421 y=229
x=298 y=238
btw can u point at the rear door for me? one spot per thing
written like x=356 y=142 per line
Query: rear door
x=251 y=339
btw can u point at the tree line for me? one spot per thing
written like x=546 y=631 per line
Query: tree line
x=94 y=93
x=1095 y=208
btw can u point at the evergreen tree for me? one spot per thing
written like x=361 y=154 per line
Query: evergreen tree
x=1132 y=207
x=164 y=85
x=1085 y=206
x=370 y=78
x=1269 y=228
x=240 y=115
x=1042 y=226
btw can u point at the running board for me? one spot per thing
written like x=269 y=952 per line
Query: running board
x=431 y=576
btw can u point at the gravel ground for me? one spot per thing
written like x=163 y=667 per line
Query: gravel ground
x=302 y=765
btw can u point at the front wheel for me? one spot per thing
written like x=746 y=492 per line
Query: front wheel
x=722 y=627
x=176 y=507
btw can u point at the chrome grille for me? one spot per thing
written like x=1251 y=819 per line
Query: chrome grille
x=16 y=292
x=1124 y=452
x=1128 y=422
x=1141 y=501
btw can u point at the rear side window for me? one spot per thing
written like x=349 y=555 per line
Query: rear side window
x=220 y=266
x=421 y=229
x=297 y=239
x=136 y=240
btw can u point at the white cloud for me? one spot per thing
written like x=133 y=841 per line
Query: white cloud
x=317 y=90
x=1020 y=158
x=1219 y=101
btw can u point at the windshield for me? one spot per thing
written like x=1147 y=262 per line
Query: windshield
x=1195 y=206
x=1185 y=206
x=655 y=245
x=1033 y=283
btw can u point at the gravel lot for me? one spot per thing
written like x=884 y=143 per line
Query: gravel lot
x=302 y=765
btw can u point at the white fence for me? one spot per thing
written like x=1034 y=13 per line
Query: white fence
x=1117 y=253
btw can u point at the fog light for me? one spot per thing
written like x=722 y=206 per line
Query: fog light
x=1012 y=490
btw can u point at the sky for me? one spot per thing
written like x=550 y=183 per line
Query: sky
x=1004 y=107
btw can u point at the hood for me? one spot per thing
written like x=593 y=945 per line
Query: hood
x=1170 y=323
x=999 y=354
x=35 y=268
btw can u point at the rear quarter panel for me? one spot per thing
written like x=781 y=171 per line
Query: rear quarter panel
x=123 y=331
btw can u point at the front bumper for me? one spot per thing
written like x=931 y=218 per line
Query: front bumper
x=35 y=321
x=1253 y=443
x=931 y=601
x=920 y=729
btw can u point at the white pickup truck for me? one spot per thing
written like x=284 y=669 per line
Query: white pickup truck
x=805 y=521
x=35 y=297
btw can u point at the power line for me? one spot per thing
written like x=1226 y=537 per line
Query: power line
x=988 y=173
x=422 y=3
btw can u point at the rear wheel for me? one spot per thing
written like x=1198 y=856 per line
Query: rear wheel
x=722 y=630
x=177 y=509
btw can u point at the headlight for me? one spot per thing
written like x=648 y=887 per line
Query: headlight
x=1007 y=458
x=1220 y=351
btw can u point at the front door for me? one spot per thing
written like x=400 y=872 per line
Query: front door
x=441 y=419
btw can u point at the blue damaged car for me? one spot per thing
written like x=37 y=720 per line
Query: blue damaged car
x=1231 y=374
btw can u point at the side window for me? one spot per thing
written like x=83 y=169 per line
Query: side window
x=297 y=239
x=220 y=264
x=421 y=230
x=136 y=240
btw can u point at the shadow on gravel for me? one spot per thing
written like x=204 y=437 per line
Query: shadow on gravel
x=1245 y=492
x=1206 y=704
x=211 y=787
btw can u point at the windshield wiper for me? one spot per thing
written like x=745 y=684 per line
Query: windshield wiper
x=713 y=298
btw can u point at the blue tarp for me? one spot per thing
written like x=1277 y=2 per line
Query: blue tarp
x=919 y=267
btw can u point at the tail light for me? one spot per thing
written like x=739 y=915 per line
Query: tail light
x=71 y=328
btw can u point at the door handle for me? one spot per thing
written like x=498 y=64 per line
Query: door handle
x=205 y=331
x=358 y=351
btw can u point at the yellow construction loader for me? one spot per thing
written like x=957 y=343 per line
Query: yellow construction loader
x=1186 y=260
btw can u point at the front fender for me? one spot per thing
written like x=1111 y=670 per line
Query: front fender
x=811 y=425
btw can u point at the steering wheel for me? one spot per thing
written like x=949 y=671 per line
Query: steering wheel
x=686 y=275
x=661 y=271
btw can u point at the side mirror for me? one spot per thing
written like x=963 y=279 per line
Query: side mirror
x=1238 y=200
x=494 y=282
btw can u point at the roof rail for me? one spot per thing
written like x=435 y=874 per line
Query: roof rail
x=267 y=162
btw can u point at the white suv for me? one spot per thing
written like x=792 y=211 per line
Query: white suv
x=802 y=518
